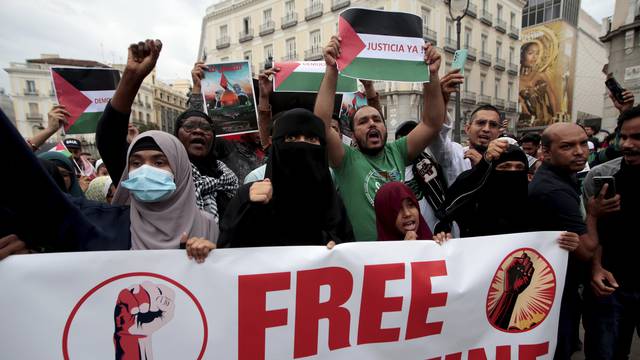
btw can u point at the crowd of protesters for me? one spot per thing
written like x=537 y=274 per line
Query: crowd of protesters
x=297 y=183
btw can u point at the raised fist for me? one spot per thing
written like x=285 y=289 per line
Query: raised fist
x=140 y=311
x=518 y=274
x=331 y=52
x=142 y=58
x=495 y=149
x=261 y=191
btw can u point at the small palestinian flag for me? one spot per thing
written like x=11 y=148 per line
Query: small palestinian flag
x=381 y=45
x=306 y=76
x=85 y=93
x=61 y=149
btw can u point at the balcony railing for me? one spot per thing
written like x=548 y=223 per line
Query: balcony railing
x=223 y=42
x=430 y=36
x=313 y=11
x=486 y=17
x=485 y=58
x=472 y=10
x=313 y=54
x=514 y=32
x=34 y=116
x=484 y=99
x=31 y=92
x=245 y=35
x=289 y=20
x=339 y=4
x=450 y=45
x=290 y=57
x=267 y=27
x=499 y=64
x=468 y=97
x=513 y=69
x=499 y=103
x=471 y=53
x=501 y=25
x=512 y=106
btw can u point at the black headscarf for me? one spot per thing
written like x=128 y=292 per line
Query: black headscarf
x=302 y=187
x=54 y=173
x=209 y=164
x=485 y=201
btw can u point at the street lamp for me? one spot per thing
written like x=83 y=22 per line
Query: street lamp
x=457 y=11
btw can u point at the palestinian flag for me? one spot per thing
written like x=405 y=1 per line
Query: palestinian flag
x=61 y=149
x=381 y=45
x=306 y=76
x=84 y=92
x=224 y=83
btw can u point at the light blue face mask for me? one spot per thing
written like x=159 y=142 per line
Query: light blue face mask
x=150 y=184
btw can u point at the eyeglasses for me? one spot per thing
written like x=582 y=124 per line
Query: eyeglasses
x=483 y=123
x=202 y=125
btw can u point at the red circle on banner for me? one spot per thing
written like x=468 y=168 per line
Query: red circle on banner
x=67 y=326
x=525 y=301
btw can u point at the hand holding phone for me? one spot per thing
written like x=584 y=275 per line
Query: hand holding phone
x=459 y=58
x=600 y=181
x=615 y=88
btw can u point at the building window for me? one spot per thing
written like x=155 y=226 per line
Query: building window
x=483 y=43
x=266 y=16
x=628 y=41
x=247 y=56
x=513 y=19
x=483 y=80
x=426 y=17
x=509 y=91
x=268 y=52
x=314 y=39
x=449 y=29
x=496 y=88
x=140 y=116
x=148 y=118
x=498 y=50
x=290 y=7
x=290 y=45
x=499 y=13
x=31 y=86
x=485 y=5
x=34 y=108
x=246 y=25
x=224 y=31
x=467 y=37
x=512 y=53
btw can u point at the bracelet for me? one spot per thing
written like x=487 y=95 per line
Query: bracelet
x=264 y=107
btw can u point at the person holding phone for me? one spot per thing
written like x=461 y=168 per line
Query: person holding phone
x=612 y=195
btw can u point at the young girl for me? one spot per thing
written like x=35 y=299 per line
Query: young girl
x=398 y=214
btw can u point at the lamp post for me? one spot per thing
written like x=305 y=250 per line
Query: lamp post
x=457 y=11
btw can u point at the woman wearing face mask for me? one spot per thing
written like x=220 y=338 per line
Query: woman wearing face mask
x=156 y=196
x=297 y=203
x=398 y=214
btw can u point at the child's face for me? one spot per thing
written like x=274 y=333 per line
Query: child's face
x=407 y=219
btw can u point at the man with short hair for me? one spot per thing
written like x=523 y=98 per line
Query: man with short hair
x=484 y=126
x=612 y=314
x=361 y=172
x=75 y=148
x=554 y=198
x=530 y=143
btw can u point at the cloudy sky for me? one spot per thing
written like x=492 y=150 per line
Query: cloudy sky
x=102 y=30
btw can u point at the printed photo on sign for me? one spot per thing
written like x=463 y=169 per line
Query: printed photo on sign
x=228 y=94
x=351 y=102
x=84 y=92
x=136 y=316
x=521 y=292
x=381 y=45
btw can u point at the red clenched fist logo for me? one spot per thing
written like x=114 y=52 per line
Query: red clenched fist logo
x=521 y=292
x=140 y=311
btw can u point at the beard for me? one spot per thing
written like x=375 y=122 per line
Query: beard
x=362 y=146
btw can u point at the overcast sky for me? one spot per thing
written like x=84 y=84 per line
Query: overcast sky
x=102 y=30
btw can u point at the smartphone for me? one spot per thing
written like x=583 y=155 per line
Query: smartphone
x=459 y=58
x=600 y=181
x=615 y=88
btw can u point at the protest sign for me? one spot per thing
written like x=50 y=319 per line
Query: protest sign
x=85 y=93
x=381 y=45
x=351 y=102
x=481 y=298
x=229 y=99
x=306 y=76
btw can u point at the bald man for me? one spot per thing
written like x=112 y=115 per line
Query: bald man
x=554 y=198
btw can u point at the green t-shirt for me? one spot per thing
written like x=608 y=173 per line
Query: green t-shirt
x=360 y=176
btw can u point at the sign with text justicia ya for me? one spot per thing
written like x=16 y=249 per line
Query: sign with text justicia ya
x=476 y=298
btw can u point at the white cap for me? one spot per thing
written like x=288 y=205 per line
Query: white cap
x=591 y=146
x=98 y=163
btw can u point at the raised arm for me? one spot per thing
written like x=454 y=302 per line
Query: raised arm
x=264 y=105
x=433 y=111
x=196 y=101
x=57 y=117
x=325 y=101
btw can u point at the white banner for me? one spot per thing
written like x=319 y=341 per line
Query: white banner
x=384 y=300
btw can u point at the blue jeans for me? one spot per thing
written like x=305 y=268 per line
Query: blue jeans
x=609 y=323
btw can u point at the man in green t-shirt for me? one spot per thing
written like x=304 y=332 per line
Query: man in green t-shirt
x=361 y=172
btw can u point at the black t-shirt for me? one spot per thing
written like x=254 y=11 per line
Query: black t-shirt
x=554 y=199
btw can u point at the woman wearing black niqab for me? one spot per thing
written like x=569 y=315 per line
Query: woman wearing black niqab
x=304 y=208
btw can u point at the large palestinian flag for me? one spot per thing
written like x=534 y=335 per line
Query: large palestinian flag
x=381 y=45
x=84 y=92
x=306 y=76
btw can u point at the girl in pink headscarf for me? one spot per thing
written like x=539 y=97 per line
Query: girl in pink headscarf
x=398 y=214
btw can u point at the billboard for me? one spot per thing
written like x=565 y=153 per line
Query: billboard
x=546 y=74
